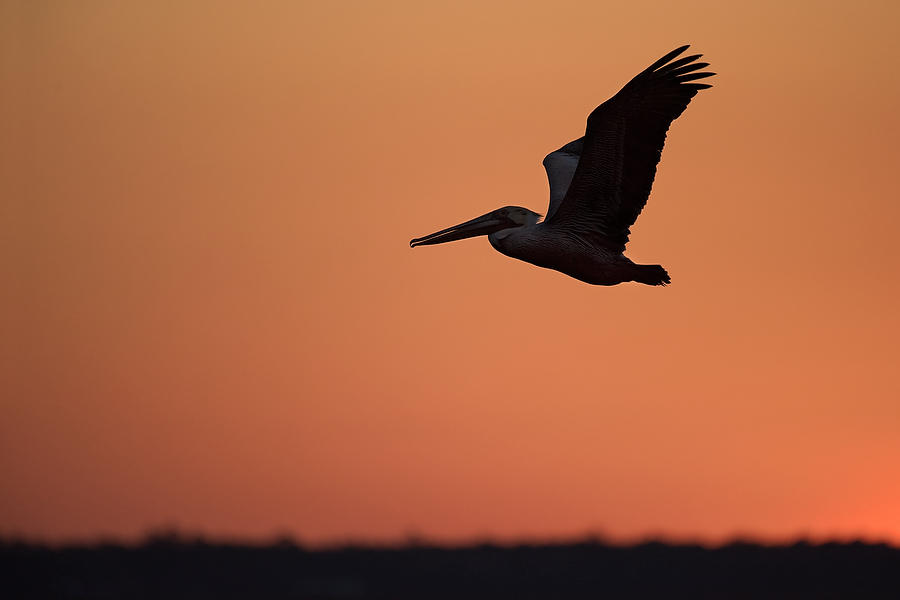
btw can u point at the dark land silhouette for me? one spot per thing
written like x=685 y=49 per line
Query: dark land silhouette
x=172 y=567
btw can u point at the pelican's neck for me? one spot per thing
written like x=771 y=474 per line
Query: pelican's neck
x=508 y=240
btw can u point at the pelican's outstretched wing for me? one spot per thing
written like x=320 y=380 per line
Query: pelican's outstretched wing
x=560 y=165
x=621 y=147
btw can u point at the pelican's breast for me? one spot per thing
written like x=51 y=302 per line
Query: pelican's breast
x=552 y=249
x=538 y=245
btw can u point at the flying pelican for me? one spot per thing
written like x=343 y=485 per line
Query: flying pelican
x=599 y=184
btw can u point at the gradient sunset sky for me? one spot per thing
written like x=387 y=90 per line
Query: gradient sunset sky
x=212 y=318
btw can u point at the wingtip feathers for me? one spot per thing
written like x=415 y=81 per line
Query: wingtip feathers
x=665 y=59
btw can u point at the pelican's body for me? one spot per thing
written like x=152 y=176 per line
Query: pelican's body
x=599 y=184
x=540 y=245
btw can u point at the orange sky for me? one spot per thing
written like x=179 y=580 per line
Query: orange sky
x=211 y=317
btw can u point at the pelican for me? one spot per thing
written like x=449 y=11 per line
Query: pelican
x=599 y=183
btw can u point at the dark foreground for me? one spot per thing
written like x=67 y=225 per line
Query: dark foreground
x=170 y=568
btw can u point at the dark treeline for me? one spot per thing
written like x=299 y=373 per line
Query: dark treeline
x=174 y=568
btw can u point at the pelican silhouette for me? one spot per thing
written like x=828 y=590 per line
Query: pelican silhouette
x=599 y=184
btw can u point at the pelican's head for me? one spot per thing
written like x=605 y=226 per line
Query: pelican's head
x=507 y=217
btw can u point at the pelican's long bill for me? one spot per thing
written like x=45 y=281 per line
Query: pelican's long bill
x=483 y=225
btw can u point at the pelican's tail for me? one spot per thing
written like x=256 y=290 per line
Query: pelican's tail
x=651 y=275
